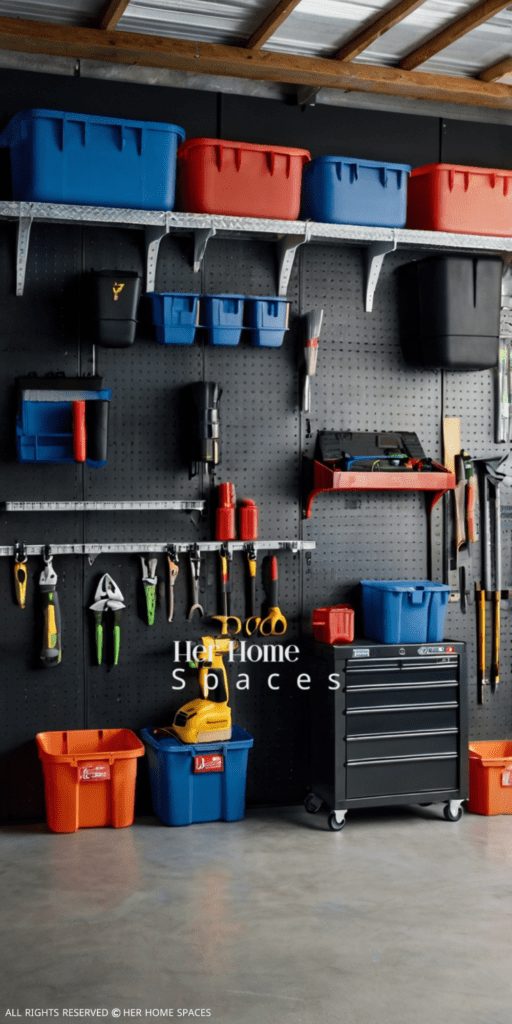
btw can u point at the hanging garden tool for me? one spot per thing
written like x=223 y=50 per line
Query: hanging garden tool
x=108 y=597
x=51 y=653
x=150 y=580
x=20 y=573
x=172 y=562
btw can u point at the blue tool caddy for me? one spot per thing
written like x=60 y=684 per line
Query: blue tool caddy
x=268 y=320
x=176 y=316
x=58 y=157
x=223 y=316
x=404 y=611
x=198 y=782
x=344 y=190
x=44 y=421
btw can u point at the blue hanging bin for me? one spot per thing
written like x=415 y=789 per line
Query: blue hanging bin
x=223 y=315
x=176 y=316
x=268 y=320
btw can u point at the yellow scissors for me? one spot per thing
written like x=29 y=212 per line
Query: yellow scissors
x=275 y=623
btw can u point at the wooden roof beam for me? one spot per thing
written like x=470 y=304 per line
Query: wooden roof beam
x=376 y=28
x=271 y=24
x=496 y=71
x=135 y=49
x=111 y=14
x=477 y=15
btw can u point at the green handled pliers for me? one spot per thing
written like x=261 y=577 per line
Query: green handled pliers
x=150 y=580
x=108 y=596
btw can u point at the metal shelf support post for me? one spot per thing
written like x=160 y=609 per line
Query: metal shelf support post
x=23 y=228
x=153 y=234
x=201 y=238
x=374 y=258
x=286 y=248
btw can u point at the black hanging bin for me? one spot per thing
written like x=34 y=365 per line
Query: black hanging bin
x=114 y=300
x=449 y=309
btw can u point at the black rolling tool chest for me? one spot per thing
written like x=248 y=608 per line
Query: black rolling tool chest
x=388 y=725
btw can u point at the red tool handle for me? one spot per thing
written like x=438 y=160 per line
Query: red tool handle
x=248 y=520
x=79 y=432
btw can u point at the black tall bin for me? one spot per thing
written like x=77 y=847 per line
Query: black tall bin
x=450 y=311
x=114 y=300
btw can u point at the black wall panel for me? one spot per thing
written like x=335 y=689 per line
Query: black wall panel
x=476 y=144
x=361 y=383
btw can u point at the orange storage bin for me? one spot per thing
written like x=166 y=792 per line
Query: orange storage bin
x=240 y=179
x=465 y=200
x=490 y=777
x=89 y=777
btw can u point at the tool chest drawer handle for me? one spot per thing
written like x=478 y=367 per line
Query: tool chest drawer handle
x=402 y=707
x=76 y=761
x=402 y=760
x=429 y=684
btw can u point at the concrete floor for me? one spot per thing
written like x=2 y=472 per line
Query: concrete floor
x=401 y=918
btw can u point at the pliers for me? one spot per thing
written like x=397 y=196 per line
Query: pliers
x=150 y=580
x=108 y=595
x=195 y=567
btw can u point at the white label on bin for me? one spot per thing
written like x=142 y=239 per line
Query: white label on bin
x=506 y=777
x=93 y=772
x=361 y=652
x=209 y=763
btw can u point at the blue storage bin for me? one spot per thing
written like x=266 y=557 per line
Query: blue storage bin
x=176 y=316
x=343 y=190
x=92 y=161
x=268 y=319
x=223 y=316
x=182 y=796
x=404 y=611
x=44 y=430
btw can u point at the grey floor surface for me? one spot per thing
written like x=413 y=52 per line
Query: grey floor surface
x=402 y=918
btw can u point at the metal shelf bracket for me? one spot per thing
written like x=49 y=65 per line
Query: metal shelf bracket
x=154 y=234
x=201 y=238
x=24 y=226
x=374 y=258
x=286 y=248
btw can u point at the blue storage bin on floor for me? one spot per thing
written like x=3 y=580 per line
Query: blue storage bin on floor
x=223 y=316
x=92 y=161
x=181 y=795
x=404 y=611
x=268 y=320
x=343 y=190
x=176 y=316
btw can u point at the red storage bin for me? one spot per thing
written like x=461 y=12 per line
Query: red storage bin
x=465 y=200
x=334 y=625
x=240 y=179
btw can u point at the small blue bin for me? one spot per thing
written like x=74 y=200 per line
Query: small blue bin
x=44 y=430
x=343 y=190
x=223 y=316
x=176 y=316
x=182 y=795
x=92 y=161
x=404 y=611
x=268 y=320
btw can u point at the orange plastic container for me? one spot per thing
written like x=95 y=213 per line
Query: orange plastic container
x=240 y=179
x=89 y=777
x=465 y=200
x=490 y=777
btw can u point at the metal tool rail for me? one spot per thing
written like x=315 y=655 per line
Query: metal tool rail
x=102 y=506
x=139 y=547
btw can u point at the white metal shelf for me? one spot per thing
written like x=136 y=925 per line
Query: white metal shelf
x=102 y=506
x=147 y=547
x=289 y=234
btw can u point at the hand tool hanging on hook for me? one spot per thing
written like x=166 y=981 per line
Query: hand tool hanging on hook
x=275 y=623
x=172 y=562
x=230 y=624
x=51 y=653
x=312 y=325
x=150 y=580
x=495 y=472
x=107 y=597
x=252 y=621
x=195 y=569
x=20 y=573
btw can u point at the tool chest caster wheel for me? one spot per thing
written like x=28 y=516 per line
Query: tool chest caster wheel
x=453 y=810
x=335 y=823
x=312 y=803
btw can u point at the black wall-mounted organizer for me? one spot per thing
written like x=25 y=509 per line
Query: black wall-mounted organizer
x=362 y=383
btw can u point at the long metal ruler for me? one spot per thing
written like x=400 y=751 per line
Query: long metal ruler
x=101 y=506
x=138 y=547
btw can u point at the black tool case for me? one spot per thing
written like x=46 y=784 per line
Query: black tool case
x=393 y=732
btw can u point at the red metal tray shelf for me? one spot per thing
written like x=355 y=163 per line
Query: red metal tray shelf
x=325 y=479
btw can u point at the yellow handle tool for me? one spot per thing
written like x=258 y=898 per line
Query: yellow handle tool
x=51 y=653
x=20 y=579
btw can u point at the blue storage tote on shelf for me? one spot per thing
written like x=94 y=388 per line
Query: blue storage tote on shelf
x=268 y=320
x=58 y=157
x=404 y=611
x=223 y=316
x=346 y=190
x=198 y=782
x=176 y=316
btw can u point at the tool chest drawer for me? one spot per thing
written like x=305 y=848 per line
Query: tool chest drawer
x=394 y=730
x=402 y=775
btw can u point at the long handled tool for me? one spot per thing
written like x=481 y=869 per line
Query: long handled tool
x=20 y=574
x=252 y=621
x=150 y=580
x=51 y=653
x=230 y=623
x=172 y=563
x=312 y=326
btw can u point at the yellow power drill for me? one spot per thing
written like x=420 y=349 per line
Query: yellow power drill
x=208 y=718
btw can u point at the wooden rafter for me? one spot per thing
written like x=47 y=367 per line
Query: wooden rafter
x=111 y=14
x=375 y=28
x=211 y=59
x=496 y=71
x=477 y=15
x=271 y=24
